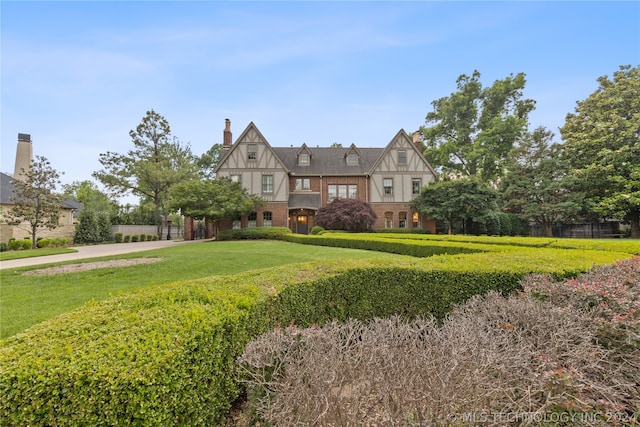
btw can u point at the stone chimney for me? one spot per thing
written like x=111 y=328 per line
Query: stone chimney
x=24 y=155
x=417 y=141
x=226 y=138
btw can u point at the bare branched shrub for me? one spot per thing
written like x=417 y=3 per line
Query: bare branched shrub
x=500 y=359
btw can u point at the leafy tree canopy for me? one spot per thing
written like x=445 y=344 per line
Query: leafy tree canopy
x=212 y=200
x=602 y=145
x=457 y=200
x=208 y=161
x=35 y=199
x=346 y=214
x=537 y=185
x=156 y=163
x=470 y=132
x=89 y=196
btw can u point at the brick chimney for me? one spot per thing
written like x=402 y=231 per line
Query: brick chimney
x=417 y=141
x=24 y=155
x=226 y=138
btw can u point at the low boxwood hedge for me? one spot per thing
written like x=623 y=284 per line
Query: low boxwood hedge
x=166 y=355
x=273 y=233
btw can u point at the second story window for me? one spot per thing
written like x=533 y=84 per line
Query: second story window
x=416 y=185
x=252 y=151
x=387 y=183
x=236 y=178
x=342 y=191
x=303 y=184
x=267 y=183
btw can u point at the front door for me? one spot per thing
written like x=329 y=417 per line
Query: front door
x=302 y=224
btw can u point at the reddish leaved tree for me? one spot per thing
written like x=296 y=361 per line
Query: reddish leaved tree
x=346 y=214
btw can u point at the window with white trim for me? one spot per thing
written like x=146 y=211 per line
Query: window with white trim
x=303 y=159
x=352 y=159
x=416 y=185
x=267 y=219
x=252 y=151
x=343 y=191
x=388 y=220
x=236 y=178
x=387 y=184
x=303 y=184
x=402 y=157
x=267 y=183
x=252 y=220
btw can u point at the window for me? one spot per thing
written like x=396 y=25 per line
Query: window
x=352 y=159
x=388 y=220
x=387 y=183
x=267 y=218
x=252 y=220
x=402 y=157
x=237 y=224
x=252 y=151
x=402 y=220
x=353 y=191
x=267 y=183
x=236 y=178
x=343 y=191
x=416 y=220
x=303 y=158
x=416 y=185
x=303 y=184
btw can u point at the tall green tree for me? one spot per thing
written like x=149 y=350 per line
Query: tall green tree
x=471 y=132
x=457 y=200
x=212 y=200
x=602 y=145
x=35 y=199
x=537 y=185
x=157 y=162
x=89 y=196
x=208 y=161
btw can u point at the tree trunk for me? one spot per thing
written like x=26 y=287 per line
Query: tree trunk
x=34 y=243
x=548 y=230
x=635 y=226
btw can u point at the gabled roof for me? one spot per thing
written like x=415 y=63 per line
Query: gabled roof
x=410 y=145
x=234 y=146
x=7 y=190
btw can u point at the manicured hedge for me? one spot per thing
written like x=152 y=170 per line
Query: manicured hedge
x=166 y=355
x=254 y=233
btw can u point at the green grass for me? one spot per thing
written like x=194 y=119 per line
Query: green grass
x=31 y=253
x=27 y=300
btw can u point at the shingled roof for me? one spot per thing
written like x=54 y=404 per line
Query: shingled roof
x=328 y=160
x=7 y=190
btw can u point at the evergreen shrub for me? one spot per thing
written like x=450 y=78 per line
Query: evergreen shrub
x=118 y=237
x=135 y=237
x=127 y=238
x=22 y=244
x=256 y=233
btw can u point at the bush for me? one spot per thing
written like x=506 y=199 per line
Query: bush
x=346 y=214
x=17 y=245
x=118 y=237
x=151 y=237
x=143 y=237
x=135 y=237
x=3 y=246
x=273 y=233
x=316 y=230
x=127 y=238
x=508 y=355
x=53 y=242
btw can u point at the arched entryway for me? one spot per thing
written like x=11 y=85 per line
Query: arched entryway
x=301 y=221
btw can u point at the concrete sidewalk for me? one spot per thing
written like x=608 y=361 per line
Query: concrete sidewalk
x=96 y=251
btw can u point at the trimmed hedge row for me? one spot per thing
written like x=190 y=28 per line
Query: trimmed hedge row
x=166 y=355
x=409 y=247
x=631 y=246
x=274 y=233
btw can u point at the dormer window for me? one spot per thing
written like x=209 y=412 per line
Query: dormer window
x=352 y=159
x=303 y=158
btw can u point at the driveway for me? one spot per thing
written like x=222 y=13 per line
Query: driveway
x=96 y=251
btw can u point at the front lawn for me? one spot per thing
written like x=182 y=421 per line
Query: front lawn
x=26 y=300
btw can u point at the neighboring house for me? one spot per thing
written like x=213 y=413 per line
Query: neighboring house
x=68 y=209
x=297 y=181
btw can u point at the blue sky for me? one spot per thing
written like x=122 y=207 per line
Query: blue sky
x=78 y=76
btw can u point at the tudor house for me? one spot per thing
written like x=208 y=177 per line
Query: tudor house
x=296 y=181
